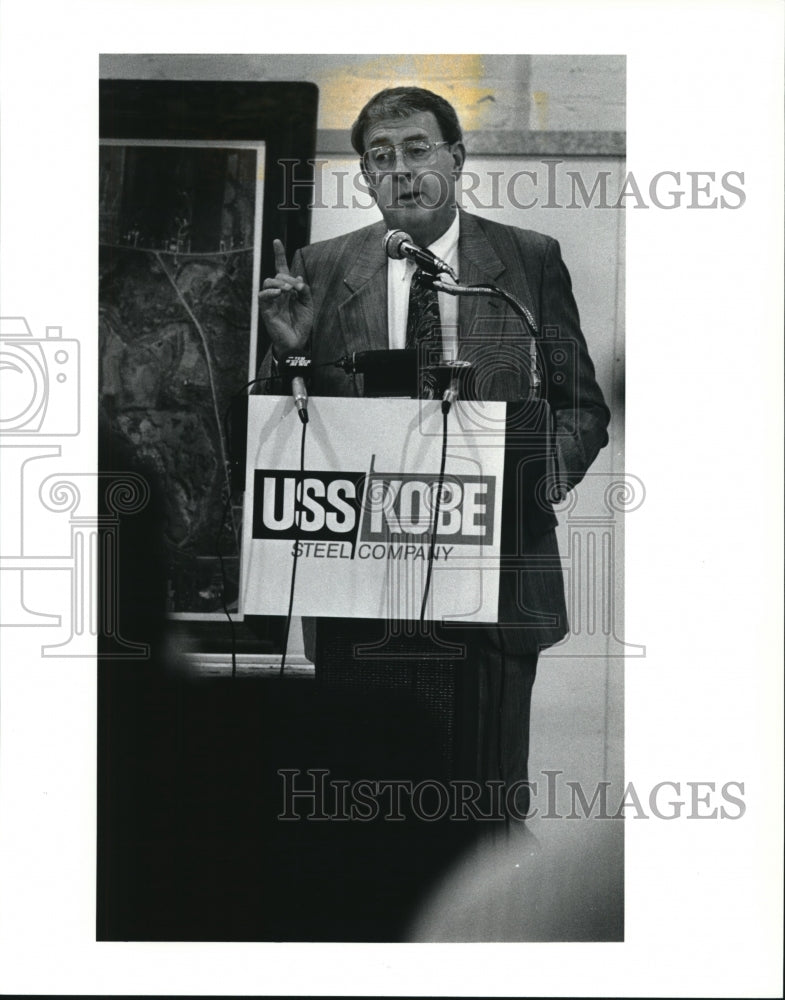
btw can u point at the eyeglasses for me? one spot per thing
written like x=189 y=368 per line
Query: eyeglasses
x=415 y=153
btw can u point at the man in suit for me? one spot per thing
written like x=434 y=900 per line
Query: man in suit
x=345 y=295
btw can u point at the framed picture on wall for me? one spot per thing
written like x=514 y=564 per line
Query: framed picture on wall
x=190 y=202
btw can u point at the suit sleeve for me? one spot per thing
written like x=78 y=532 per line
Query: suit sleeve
x=580 y=415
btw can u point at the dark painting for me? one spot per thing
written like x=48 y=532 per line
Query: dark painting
x=178 y=238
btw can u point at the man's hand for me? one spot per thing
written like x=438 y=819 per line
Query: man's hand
x=286 y=306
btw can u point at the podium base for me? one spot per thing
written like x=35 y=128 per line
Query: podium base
x=412 y=669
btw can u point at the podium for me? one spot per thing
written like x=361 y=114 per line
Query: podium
x=365 y=506
x=358 y=518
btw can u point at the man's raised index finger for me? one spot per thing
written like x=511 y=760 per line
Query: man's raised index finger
x=279 y=249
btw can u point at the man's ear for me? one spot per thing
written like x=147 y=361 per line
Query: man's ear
x=458 y=152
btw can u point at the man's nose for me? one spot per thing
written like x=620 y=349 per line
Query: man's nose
x=400 y=158
x=401 y=166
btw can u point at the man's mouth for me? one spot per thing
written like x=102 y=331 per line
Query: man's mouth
x=410 y=199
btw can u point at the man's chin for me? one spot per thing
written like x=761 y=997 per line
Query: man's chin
x=410 y=217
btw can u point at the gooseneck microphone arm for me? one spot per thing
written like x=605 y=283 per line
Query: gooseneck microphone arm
x=492 y=290
x=517 y=306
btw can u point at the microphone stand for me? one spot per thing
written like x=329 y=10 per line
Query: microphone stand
x=523 y=313
x=495 y=292
x=433 y=281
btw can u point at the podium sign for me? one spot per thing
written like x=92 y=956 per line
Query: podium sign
x=366 y=506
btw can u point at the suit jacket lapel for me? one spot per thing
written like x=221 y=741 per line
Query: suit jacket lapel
x=363 y=312
x=481 y=319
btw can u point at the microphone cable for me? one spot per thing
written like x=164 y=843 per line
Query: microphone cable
x=436 y=511
x=222 y=523
x=225 y=512
x=298 y=522
x=224 y=582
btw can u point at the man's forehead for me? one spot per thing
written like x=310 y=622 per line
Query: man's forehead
x=414 y=126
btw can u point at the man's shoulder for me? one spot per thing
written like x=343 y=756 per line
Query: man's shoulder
x=350 y=243
x=504 y=233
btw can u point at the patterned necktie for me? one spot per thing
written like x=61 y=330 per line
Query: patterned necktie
x=423 y=323
x=423 y=313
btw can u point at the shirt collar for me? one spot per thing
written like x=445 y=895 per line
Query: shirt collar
x=402 y=268
x=447 y=243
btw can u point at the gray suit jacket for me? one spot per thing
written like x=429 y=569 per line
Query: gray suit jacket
x=348 y=280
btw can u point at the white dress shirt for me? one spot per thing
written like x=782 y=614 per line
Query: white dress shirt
x=399 y=280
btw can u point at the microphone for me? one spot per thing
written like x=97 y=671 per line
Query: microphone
x=450 y=395
x=386 y=373
x=293 y=366
x=363 y=362
x=398 y=245
x=459 y=376
x=453 y=379
x=300 y=395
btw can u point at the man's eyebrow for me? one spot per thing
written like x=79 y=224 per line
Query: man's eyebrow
x=383 y=140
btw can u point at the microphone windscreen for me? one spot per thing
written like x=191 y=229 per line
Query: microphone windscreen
x=394 y=241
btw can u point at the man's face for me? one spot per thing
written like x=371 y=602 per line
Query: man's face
x=418 y=198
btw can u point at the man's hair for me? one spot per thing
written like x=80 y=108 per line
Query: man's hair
x=400 y=102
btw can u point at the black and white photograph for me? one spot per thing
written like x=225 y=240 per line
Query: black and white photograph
x=375 y=577
x=365 y=784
